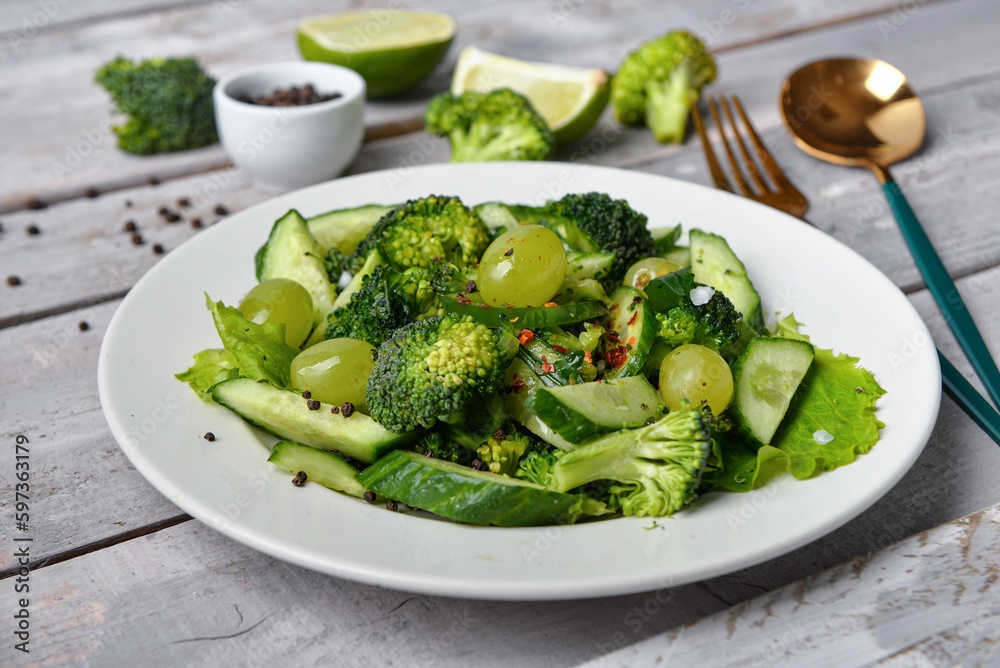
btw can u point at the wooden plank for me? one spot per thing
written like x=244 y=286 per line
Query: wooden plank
x=83 y=488
x=57 y=160
x=216 y=602
x=26 y=19
x=928 y=600
x=949 y=186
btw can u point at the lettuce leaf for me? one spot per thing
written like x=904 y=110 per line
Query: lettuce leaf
x=260 y=351
x=210 y=367
x=837 y=396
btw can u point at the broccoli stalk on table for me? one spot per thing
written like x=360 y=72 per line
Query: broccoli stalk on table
x=168 y=102
x=658 y=83
x=498 y=125
x=437 y=369
x=657 y=468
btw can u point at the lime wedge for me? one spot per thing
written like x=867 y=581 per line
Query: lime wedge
x=570 y=99
x=392 y=49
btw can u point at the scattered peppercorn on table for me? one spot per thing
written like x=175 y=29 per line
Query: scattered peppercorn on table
x=110 y=572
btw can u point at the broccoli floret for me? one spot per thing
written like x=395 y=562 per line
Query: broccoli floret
x=658 y=83
x=168 y=102
x=596 y=222
x=536 y=465
x=436 y=369
x=498 y=125
x=389 y=299
x=440 y=447
x=714 y=324
x=477 y=424
x=657 y=468
x=426 y=231
x=501 y=455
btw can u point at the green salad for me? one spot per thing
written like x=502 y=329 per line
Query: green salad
x=517 y=365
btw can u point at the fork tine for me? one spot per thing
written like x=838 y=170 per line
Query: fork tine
x=749 y=161
x=737 y=172
x=718 y=176
x=765 y=156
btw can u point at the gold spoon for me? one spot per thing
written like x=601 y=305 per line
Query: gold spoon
x=863 y=113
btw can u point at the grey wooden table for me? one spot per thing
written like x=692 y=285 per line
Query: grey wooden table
x=119 y=576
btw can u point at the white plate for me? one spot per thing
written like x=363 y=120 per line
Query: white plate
x=845 y=302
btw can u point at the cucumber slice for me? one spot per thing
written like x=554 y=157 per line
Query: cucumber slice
x=496 y=215
x=714 y=263
x=526 y=317
x=322 y=466
x=581 y=412
x=292 y=252
x=344 y=229
x=466 y=495
x=632 y=321
x=285 y=414
x=588 y=265
x=765 y=378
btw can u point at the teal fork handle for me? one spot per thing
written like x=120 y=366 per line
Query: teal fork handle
x=966 y=396
x=944 y=291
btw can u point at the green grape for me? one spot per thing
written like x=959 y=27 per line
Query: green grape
x=281 y=301
x=335 y=371
x=642 y=272
x=697 y=374
x=524 y=266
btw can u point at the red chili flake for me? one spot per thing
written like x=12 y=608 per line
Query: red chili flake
x=526 y=336
x=560 y=349
x=616 y=356
x=518 y=385
x=587 y=358
x=462 y=299
x=631 y=341
x=613 y=307
x=550 y=304
x=548 y=368
x=613 y=337
x=633 y=318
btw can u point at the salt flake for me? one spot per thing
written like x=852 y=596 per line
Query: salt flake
x=822 y=436
x=701 y=295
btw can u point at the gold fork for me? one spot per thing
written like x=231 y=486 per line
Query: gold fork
x=783 y=195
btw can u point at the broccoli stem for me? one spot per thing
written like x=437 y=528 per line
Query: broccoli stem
x=668 y=104
x=485 y=141
x=595 y=461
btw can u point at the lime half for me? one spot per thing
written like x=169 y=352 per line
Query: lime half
x=570 y=99
x=392 y=49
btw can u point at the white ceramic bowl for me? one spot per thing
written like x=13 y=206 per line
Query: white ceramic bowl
x=284 y=148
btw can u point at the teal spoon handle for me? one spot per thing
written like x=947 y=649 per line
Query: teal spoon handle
x=944 y=291
x=966 y=396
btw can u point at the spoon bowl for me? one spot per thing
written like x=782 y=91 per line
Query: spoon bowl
x=853 y=111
